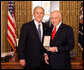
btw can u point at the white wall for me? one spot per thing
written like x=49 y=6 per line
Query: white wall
x=54 y=5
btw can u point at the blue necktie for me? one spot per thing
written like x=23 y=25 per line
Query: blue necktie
x=39 y=31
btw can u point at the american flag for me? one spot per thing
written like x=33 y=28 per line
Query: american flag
x=11 y=32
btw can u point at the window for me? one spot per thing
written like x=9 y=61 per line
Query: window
x=48 y=6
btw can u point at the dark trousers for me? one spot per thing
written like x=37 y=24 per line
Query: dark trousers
x=42 y=65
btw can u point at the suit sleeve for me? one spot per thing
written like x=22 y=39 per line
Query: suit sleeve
x=69 y=43
x=21 y=44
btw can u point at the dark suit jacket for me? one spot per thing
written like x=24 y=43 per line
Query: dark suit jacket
x=64 y=41
x=30 y=47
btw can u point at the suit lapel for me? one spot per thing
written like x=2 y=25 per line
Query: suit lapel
x=51 y=28
x=43 y=32
x=59 y=31
x=44 y=29
x=34 y=29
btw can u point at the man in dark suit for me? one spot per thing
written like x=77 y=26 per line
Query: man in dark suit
x=62 y=41
x=30 y=48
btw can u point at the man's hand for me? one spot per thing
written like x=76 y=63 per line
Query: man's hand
x=22 y=62
x=53 y=49
x=46 y=58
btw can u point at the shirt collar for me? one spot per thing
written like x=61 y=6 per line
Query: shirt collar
x=58 y=26
x=36 y=23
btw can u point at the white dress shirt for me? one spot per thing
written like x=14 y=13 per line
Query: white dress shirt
x=41 y=27
x=57 y=27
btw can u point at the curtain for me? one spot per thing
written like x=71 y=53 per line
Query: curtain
x=23 y=14
x=70 y=13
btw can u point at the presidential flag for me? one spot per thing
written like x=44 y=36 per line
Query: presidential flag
x=11 y=27
x=80 y=39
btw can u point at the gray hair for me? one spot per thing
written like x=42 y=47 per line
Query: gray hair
x=57 y=12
